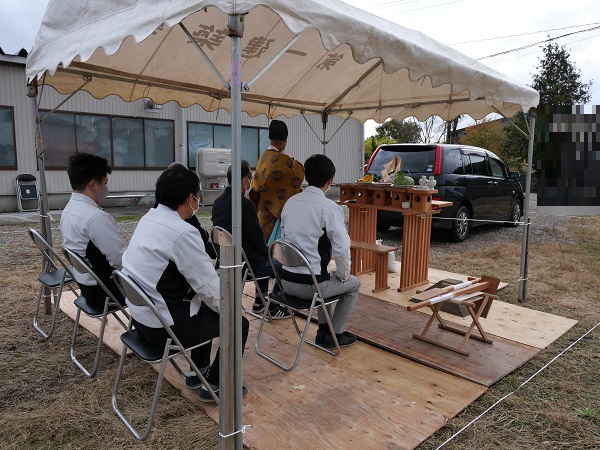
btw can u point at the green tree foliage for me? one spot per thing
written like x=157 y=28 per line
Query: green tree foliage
x=514 y=146
x=486 y=133
x=373 y=142
x=392 y=132
x=399 y=132
x=558 y=80
x=502 y=138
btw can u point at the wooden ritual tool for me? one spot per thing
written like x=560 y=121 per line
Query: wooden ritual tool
x=476 y=295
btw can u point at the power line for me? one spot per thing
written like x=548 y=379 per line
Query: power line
x=537 y=43
x=524 y=34
x=537 y=51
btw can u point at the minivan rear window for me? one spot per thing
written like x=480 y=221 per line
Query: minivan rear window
x=420 y=160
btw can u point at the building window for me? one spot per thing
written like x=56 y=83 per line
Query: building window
x=8 y=156
x=125 y=142
x=160 y=146
x=93 y=135
x=128 y=142
x=58 y=139
x=201 y=135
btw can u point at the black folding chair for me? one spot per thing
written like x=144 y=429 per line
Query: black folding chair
x=220 y=236
x=150 y=353
x=111 y=307
x=289 y=255
x=55 y=276
x=27 y=191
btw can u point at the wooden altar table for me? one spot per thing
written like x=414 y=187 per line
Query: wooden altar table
x=363 y=201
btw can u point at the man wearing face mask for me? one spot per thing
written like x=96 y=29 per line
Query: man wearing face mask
x=88 y=230
x=315 y=224
x=253 y=241
x=166 y=257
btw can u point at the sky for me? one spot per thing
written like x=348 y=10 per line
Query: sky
x=477 y=28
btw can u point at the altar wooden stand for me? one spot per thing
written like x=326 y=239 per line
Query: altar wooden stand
x=363 y=201
x=476 y=295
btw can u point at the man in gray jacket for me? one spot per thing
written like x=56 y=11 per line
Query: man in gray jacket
x=315 y=224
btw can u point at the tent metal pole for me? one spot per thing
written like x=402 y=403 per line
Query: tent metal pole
x=183 y=152
x=523 y=275
x=39 y=153
x=44 y=217
x=230 y=383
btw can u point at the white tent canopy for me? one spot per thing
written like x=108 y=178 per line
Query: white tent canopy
x=345 y=60
x=273 y=57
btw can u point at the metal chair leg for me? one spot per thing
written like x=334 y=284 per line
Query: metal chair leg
x=94 y=369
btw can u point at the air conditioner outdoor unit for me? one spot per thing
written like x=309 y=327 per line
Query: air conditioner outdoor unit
x=152 y=107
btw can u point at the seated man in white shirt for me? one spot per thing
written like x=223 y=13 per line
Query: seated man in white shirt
x=315 y=224
x=166 y=257
x=88 y=230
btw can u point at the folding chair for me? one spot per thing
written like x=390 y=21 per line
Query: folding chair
x=149 y=353
x=55 y=276
x=289 y=255
x=111 y=307
x=27 y=190
x=220 y=236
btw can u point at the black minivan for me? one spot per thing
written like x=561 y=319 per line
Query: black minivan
x=475 y=180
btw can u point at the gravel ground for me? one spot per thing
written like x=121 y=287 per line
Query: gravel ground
x=543 y=228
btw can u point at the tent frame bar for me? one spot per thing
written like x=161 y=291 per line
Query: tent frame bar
x=205 y=56
x=84 y=69
x=246 y=86
x=352 y=86
x=324 y=122
x=86 y=79
x=526 y=135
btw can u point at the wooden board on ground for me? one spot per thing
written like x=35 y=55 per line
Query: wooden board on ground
x=509 y=321
x=365 y=398
x=523 y=325
x=392 y=326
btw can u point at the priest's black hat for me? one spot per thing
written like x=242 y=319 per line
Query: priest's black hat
x=278 y=131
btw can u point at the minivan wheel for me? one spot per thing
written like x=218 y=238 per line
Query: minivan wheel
x=461 y=224
x=515 y=214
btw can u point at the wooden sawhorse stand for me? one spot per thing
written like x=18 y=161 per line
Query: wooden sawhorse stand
x=478 y=306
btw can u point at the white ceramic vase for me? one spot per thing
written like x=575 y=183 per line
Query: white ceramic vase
x=423 y=181
x=431 y=182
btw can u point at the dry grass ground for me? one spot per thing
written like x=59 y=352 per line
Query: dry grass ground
x=560 y=407
x=46 y=402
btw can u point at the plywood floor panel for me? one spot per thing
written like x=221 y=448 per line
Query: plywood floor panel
x=443 y=392
x=513 y=322
x=392 y=326
x=365 y=398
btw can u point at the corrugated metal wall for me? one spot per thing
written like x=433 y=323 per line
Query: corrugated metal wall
x=12 y=93
x=344 y=148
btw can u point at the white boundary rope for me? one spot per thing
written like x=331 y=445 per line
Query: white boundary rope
x=515 y=391
x=243 y=430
